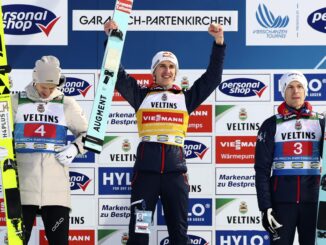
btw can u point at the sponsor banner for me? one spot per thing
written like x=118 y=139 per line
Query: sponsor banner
x=80 y=86
x=239 y=119
x=200 y=179
x=239 y=213
x=2 y=213
x=88 y=157
x=316 y=85
x=235 y=181
x=80 y=215
x=82 y=181
x=122 y=119
x=198 y=149
x=79 y=83
x=157 y=20
x=119 y=149
x=200 y=120
x=114 y=181
x=300 y=23
x=186 y=78
x=244 y=87
x=235 y=149
x=40 y=22
x=114 y=211
x=195 y=237
x=112 y=236
x=144 y=79
x=82 y=212
x=249 y=237
x=76 y=237
x=199 y=212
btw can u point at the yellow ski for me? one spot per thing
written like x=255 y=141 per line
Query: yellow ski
x=10 y=186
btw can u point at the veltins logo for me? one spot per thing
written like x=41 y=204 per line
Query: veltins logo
x=194 y=149
x=317 y=20
x=78 y=181
x=266 y=18
x=242 y=87
x=193 y=240
x=22 y=19
x=76 y=86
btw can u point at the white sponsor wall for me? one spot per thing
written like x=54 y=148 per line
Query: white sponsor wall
x=222 y=131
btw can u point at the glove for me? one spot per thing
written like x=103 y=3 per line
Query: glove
x=67 y=154
x=3 y=153
x=270 y=224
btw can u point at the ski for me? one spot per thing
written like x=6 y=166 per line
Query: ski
x=321 y=214
x=10 y=185
x=94 y=138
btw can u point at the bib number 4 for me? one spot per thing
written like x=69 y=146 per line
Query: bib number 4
x=40 y=130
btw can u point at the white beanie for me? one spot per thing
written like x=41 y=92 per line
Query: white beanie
x=47 y=70
x=291 y=76
x=163 y=56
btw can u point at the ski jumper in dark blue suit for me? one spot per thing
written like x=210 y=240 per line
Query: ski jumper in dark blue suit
x=289 y=145
x=160 y=167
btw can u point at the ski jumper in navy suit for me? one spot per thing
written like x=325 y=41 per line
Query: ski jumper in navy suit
x=160 y=167
x=289 y=145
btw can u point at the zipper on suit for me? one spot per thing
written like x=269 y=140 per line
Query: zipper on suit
x=163 y=158
x=298 y=189
x=275 y=183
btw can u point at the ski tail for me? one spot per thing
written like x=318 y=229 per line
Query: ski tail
x=10 y=185
x=94 y=139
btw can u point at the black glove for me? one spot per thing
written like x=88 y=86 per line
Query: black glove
x=270 y=224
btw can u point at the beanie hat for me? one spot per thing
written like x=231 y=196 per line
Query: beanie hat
x=164 y=56
x=291 y=76
x=47 y=70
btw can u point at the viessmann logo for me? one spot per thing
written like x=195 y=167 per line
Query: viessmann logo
x=242 y=87
x=235 y=149
x=317 y=20
x=23 y=19
x=168 y=117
